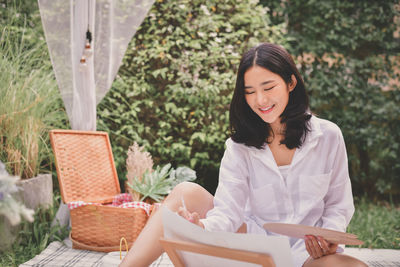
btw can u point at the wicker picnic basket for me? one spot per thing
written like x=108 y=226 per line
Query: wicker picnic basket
x=86 y=172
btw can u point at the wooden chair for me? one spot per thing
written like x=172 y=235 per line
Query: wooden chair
x=171 y=247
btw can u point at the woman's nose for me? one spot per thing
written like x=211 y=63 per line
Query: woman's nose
x=261 y=98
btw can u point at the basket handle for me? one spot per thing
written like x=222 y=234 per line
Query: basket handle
x=120 y=247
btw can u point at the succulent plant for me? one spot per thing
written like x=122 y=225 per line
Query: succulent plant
x=159 y=183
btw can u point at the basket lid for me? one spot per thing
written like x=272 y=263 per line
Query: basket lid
x=85 y=165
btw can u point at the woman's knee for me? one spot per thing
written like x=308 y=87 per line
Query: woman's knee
x=340 y=260
x=186 y=186
x=187 y=189
x=196 y=198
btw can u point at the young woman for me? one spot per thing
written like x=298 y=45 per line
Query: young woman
x=281 y=164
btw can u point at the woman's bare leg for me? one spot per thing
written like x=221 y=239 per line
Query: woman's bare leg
x=147 y=248
x=337 y=260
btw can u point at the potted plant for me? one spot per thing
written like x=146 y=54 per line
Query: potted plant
x=148 y=184
x=29 y=107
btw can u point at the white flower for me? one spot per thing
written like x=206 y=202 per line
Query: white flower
x=229 y=47
x=27 y=213
x=9 y=207
x=205 y=10
x=11 y=211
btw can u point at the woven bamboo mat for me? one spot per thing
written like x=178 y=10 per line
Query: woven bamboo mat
x=60 y=254
x=376 y=257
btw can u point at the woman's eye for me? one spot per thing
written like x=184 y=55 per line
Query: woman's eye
x=249 y=92
x=267 y=89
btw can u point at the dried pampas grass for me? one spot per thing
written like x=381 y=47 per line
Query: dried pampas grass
x=138 y=162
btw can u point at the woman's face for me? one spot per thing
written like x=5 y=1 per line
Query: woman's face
x=267 y=93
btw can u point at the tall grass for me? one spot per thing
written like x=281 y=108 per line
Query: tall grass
x=377 y=224
x=29 y=102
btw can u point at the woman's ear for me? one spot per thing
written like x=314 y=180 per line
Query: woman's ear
x=293 y=82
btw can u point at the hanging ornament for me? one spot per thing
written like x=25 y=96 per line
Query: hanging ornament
x=82 y=64
x=83 y=61
x=88 y=51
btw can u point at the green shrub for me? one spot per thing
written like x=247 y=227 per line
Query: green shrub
x=368 y=117
x=352 y=28
x=173 y=90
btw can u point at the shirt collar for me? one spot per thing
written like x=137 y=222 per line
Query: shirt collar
x=315 y=130
x=311 y=140
x=309 y=143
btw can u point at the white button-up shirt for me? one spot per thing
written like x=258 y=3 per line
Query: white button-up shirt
x=317 y=190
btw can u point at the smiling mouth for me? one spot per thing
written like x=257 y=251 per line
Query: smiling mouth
x=267 y=109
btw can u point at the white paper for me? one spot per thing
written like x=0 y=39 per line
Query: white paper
x=177 y=228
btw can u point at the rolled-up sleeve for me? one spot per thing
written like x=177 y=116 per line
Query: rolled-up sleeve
x=339 y=205
x=232 y=192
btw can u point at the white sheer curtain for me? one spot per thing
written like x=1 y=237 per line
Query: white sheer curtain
x=85 y=75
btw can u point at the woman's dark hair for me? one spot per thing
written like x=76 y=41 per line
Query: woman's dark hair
x=245 y=125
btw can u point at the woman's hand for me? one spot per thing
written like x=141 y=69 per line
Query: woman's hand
x=318 y=247
x=191 y=217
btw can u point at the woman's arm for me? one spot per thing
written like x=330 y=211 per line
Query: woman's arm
x=232 y=191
